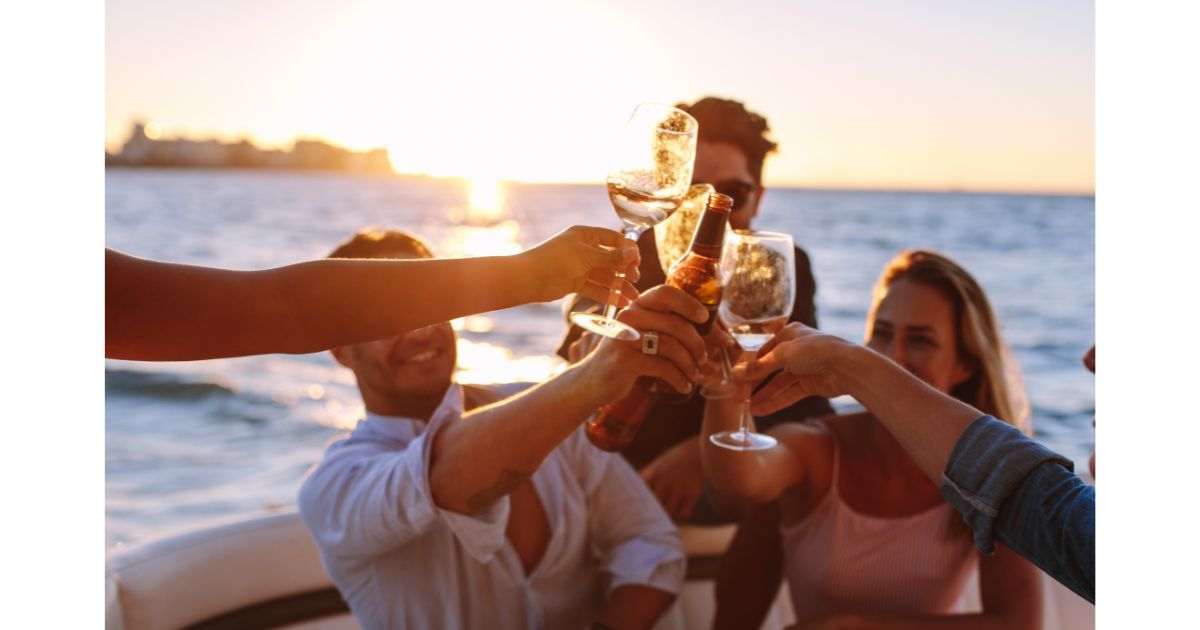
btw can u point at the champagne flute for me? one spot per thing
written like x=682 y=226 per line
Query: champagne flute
x=653 y=171
x=673 y=236
x=759 y=273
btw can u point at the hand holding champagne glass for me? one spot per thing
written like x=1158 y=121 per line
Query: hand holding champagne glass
x=654 y=169
x=759 y=274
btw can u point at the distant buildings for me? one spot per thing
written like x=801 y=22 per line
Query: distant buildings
x=142 y=150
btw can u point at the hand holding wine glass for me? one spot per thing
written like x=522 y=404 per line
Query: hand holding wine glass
x=580 y=259
x=759 y=275
x=804 y=361
x=653 y=171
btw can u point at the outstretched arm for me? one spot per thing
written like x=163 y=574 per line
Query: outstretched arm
x=926 y=422
x=156 y=311
x=490 y=451
x=1006 y=486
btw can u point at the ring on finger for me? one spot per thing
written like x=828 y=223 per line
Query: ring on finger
x=650 y=343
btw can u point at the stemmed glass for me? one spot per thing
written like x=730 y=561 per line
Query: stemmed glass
x=673 y=236
x=656 y=151
x=758 y=272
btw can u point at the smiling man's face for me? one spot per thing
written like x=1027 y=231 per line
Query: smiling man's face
x=406 y=375
x=391 y=371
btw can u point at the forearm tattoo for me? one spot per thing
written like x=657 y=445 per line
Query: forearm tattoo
x=508 y=481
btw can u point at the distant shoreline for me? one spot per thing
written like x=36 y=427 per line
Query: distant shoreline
x=421 y=176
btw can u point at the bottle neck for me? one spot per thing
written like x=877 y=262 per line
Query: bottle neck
x=710 y=233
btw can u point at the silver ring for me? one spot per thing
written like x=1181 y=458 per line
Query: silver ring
x=650 y=343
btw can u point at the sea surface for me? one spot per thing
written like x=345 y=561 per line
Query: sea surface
x=191 y=443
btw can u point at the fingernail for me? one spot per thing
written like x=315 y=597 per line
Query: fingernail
x=629 y=254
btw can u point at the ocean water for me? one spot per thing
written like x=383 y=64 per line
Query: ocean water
x=192 y=442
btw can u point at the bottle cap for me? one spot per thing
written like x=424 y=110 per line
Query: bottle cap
x=718 y=201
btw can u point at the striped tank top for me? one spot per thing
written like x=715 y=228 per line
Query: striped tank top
x=839 y=560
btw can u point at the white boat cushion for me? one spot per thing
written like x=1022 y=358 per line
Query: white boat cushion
x=177 y=581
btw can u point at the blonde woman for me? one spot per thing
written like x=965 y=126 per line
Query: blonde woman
x=868 y=540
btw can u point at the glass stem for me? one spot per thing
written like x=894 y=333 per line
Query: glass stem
x=614 y=292
x=746 y=417
x=744 y=430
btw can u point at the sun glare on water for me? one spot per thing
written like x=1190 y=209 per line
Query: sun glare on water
x=482 y=362
x=482 y=229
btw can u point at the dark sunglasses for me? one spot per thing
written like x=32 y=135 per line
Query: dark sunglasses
x=736 y=188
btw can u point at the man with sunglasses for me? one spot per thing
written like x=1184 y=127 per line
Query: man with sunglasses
x=731 y=148
x=732 y=145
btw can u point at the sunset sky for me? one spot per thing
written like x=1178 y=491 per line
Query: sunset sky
x=967 y=95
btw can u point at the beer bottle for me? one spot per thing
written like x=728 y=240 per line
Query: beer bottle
x=697 y=273
x=614 y=425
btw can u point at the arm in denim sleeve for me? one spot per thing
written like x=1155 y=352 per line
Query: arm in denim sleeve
x=1008 y=486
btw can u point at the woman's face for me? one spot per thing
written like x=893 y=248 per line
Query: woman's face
x=915 y=327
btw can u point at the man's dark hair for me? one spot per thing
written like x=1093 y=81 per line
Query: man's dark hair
x=381 y=243
x=725 y=120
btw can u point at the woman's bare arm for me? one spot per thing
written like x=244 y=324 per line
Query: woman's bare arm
x=926 y=422
x=157 y=311
x=754 y=476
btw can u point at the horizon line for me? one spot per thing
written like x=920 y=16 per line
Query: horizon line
x=883 y=188
x=815 y=187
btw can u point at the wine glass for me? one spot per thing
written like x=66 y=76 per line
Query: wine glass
x=673 y=237
x=759 y=275
x=656 y=151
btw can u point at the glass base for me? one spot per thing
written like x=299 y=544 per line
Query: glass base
x=742 y=440
x=604 y=326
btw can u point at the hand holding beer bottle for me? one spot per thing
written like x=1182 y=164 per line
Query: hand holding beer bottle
x=670 y=350
x=697 y=273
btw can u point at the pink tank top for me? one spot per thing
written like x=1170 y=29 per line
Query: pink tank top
x=837 y=559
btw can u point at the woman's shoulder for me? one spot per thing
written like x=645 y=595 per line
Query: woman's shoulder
x=813 y=445
x=807 y=436
x=823 y=432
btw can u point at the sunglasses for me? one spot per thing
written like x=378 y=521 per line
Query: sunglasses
x=736 y=188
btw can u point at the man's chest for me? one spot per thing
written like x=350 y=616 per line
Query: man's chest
x=528 y=526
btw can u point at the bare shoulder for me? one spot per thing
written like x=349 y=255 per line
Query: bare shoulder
x=811 y=446
x=808 y=439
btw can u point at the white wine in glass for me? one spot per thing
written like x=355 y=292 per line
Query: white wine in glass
x=654 y=169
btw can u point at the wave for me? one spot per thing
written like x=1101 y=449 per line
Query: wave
x=160 y=385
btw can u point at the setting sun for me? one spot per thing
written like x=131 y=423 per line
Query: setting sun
x=486 y=201
x=905 y=99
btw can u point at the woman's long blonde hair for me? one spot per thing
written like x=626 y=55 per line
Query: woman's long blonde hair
x=995 y=385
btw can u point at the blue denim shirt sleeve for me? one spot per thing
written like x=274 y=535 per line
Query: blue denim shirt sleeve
x=1009 y=487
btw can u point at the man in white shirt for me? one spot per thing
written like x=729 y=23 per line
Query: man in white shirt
x=506 y=517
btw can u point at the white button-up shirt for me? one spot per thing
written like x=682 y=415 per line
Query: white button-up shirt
x=403 y=562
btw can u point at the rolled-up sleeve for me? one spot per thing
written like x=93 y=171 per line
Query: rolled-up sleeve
x=368 y=497
x=631 y=534
x=1009 y=487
